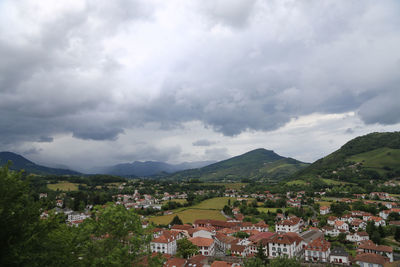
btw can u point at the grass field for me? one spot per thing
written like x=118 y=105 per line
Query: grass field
x=235 y=186
x=297 y=182
x=324 y=203
x=63 y=186
x=216 y=203
x=333 y=182
x=181 y=201
x=189 y=216
x=377 y=159
x=269 y=209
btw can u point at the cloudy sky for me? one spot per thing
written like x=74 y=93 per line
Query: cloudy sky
x=95 y=82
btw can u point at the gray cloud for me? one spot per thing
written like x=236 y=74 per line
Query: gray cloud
x=95 y=69
x=204 y=142
x=45 y=139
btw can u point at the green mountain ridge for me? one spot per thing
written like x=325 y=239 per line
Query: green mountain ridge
x=375 y=155
x=259 y=164
x=21 y=163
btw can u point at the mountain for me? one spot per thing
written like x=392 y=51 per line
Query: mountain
x=254 y=165
x=19 y=163
x=375 y=155
x=149 y=168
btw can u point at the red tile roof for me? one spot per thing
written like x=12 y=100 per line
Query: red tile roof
x=175 y=262
x=318 y=244
x=201 y=241
x=286 y=238
x=371 y=258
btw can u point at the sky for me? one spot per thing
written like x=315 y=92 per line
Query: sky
x=87 y=83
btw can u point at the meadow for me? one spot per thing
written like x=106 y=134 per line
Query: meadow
x=63 y=186
x=189 y=216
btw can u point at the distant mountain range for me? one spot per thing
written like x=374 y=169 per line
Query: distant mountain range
x=150 y=168
x=259 y=164
x=21 y=163
x=375 y=155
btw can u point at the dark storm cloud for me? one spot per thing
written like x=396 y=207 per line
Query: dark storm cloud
x=100 y=68
x=204 y=142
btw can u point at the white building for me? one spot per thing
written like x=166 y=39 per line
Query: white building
x=292 y=224
x=317 y=250
x=206 y=245
x=357 y=237
x=165 y=243
x=339 y=256
x=323 y=210
x=287 y=244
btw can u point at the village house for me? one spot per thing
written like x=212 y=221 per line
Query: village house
x=370 y=260
x=339 y=256
x=317 y=250
x=286 y=244
x=370 y=247
x=341 y=225
x=378 y=221
x=357 y=237
x=293 y=224
x=164 y=242
x=323 y=210
x=224 y=242
x=206 y=245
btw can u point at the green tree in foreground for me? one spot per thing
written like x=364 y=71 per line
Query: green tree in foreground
x=254 y=262
x=176 y=220
x=186 y=248
x=284 y=262
x=112 y=237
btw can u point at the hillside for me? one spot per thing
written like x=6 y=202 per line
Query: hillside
x=375 y=155
x=254 y=165
x=149 y=168
x=19 y=163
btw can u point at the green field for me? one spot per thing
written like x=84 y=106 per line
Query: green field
x=189 y=216
x=216 y=203
x=297 y=182
x=63 y=186
x=235 y=186
x=324 y=203
x=377 y=159
x=273 y=210
x=177 y=200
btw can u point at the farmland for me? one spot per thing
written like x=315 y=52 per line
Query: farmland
x=235 y=186
x=63 y=186
x=207 y=209
x=189 y=216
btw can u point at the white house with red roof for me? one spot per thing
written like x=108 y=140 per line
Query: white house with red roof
x=165 y=243
x=317 y=250
x=341 y=225
x=377 y=221
x=206 y=245
x=357 y=237
x=293 y=224
x=323 y=210
x=285 y=244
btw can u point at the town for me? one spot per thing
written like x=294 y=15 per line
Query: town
x=243 y=225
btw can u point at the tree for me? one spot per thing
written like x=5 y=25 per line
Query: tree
x=261 y=254
x=284 y=262
x=342 y=237
x=397 y=234
x=19 y=218
x=112 y=237
x=186 y=248
x=176 y=220
x=253 y=262
x=376 y=237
